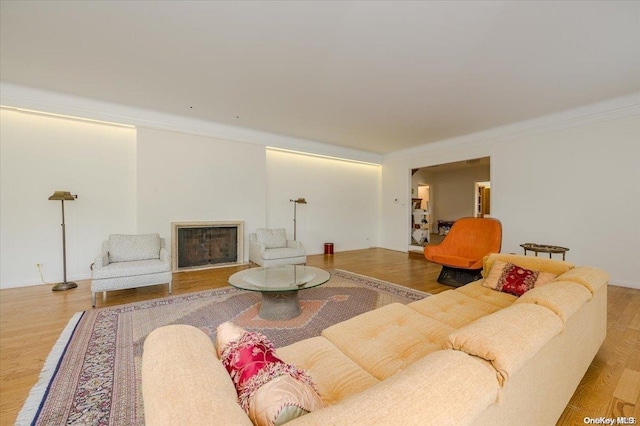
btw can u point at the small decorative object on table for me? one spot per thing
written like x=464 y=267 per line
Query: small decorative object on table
x=543 y=248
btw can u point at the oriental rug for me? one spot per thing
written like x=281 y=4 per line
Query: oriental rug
x=92 y=376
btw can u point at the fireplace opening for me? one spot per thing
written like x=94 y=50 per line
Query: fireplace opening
x=206 y=244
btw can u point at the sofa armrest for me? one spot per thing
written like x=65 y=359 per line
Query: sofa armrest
x=184 y=382
x=101 y=261
x=295 y=244
x=255 y=251
x=164 y=255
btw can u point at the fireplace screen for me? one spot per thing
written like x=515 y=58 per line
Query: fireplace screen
x=204 y=246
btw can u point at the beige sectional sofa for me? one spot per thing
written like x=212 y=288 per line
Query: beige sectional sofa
x=467 y=356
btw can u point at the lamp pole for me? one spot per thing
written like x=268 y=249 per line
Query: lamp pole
x=64 y=247
x=295 y=202
x=64 y=285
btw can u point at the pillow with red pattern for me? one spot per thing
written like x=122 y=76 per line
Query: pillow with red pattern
x=513 y=279
x=271 y=391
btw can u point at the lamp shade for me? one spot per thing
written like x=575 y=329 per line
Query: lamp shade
x=63 y=195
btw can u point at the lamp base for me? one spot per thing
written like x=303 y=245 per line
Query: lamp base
x=64 y=286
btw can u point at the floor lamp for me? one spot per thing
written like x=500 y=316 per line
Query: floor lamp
x=63 y=196
x=295 y=203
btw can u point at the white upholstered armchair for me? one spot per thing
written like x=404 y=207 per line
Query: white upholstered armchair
x=130 y=261
x=270 y=247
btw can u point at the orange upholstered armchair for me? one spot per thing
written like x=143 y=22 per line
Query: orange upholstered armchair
x=462 y=250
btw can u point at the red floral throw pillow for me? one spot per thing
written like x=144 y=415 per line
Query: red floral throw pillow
x=269 y=390
x=514 y=279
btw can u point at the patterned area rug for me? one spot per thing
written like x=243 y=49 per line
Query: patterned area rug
x=92 y=376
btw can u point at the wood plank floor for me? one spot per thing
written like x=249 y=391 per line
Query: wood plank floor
x=32 y=318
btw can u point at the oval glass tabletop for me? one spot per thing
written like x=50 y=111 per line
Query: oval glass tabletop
x=279 y=278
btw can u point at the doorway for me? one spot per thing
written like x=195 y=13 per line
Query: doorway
x=424 y=194
x=420 y=230
x=482 y=199
x=447 y=192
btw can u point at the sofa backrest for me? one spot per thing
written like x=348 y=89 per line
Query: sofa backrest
x=127 y=248
x=554 y=266
x=272 y=238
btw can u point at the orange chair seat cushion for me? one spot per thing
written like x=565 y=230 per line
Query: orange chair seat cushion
x=456 y=261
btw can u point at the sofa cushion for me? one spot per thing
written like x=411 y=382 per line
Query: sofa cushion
x=282 y=253
x=334 y=374
x=453 y=308
x=507 y=338
x=514 y=279
x=442 y=388
x=477 y=291
x=535 y=263
x=388 y=339
x=269 y=390
x=562 y=297
x=129 y=269
x=126 y=248
x=272 y=238
x=588 y=276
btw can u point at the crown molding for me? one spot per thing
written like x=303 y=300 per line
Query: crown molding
x=16 y=96
x=28 y=98
x=612 y=109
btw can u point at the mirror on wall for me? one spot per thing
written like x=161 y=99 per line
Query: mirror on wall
x=443 y=193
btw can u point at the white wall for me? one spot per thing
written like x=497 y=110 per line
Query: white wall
x=576 y=187
x=139 y=181
x=544 y=176
x=454 y=192
x=183 y=177
x=342 y=197
x=41 y=154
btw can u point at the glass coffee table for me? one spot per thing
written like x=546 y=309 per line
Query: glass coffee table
x=279 y=286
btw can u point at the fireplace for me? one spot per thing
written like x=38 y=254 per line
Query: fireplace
x=199 y=245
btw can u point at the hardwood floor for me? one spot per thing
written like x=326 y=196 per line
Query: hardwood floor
x=32 y=318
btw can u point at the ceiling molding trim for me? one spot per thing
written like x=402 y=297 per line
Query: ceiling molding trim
x=328 y=157
x=22 y=97
x=612 y=109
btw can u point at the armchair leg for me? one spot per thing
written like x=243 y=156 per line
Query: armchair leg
x=93 y=299
x=170 y=287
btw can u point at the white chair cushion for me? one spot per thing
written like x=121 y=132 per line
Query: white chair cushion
x=272 y=238
x=126 y=248
x=282 y=253
x=125 y=269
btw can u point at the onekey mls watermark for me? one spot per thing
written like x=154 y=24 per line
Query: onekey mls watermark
x=610 y=421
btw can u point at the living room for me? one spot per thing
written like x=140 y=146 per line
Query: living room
x=565 y=174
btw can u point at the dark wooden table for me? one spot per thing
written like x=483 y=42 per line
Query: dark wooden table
x=543 y=248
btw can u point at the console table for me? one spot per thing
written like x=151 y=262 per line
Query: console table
x=542 y=248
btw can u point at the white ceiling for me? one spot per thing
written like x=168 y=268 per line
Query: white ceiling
x=374 y=76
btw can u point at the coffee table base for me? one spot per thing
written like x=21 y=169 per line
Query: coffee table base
x=277 y=306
